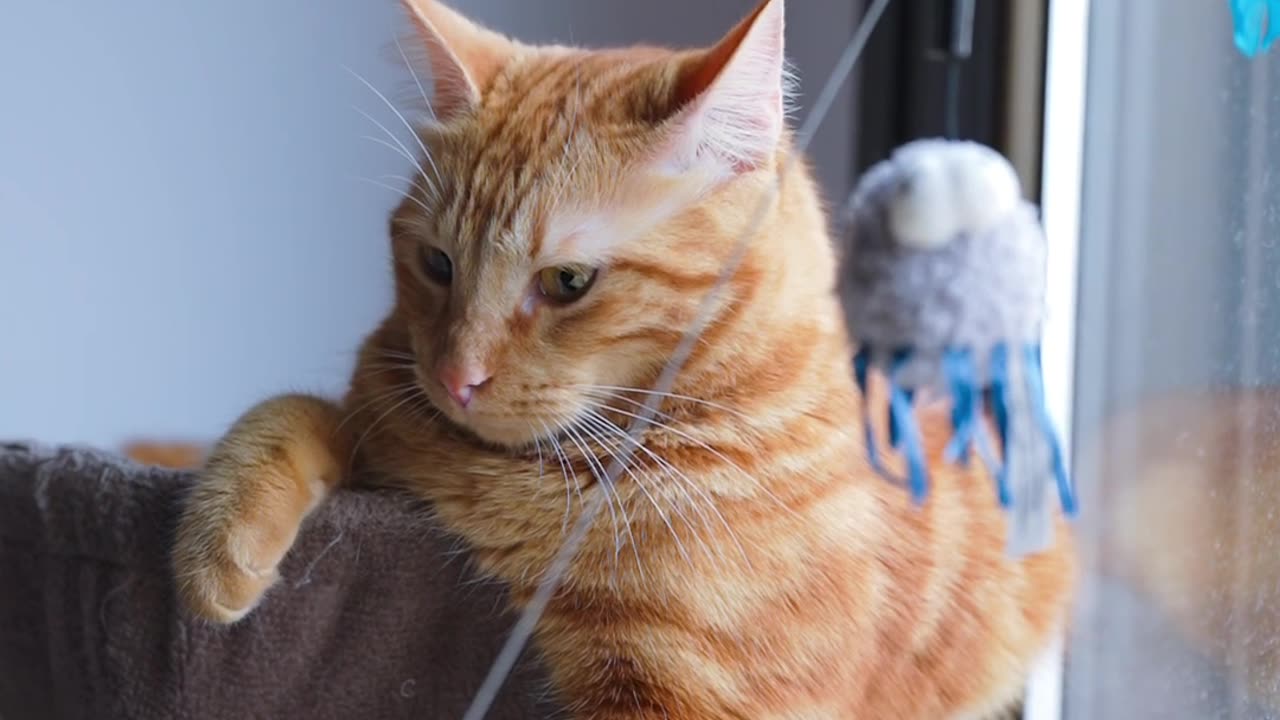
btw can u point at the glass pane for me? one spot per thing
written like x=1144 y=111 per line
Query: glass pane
x=1178 y=371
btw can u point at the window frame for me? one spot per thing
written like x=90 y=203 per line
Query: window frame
x=1062 y=156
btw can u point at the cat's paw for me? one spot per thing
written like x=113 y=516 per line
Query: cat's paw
x=232 y=536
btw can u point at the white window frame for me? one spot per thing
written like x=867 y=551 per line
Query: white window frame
x=1066 y=73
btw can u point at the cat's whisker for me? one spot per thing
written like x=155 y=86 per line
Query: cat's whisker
x=374 y=370
x=564 y=471
x=568 y=177
x=667 y=468
x=390 y=354
x=619 y=391
x=373 y=425
x=537 y=446
x=682 y=483
x=566 y=181
x=617 y=537
x=394 y=189
x=606 y=485
x=637 y=478
x=417 y=80
x=403 y=149
x=393 y=391
x=428 y=191
x=653 y=421
x=394 y=363
x=604 y=480
x=599 y=433
x=424 y=409
x=388 y=145
x=577 y=106
x=413 y=131
x=601 y=400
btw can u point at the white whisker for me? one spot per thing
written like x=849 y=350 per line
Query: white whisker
x=627 y=522
x=431 y=192
x=402 y=364
x=619 y=391
x=606 y=486
x=372 y=370
x=638 y=480
x=356 y=448
x=537 y=446
x=395 y=354
x=413 y=131
x=396 y=190
x=418 y=81
x=388 y=145
x=683 y=482
x=565 y=466
x=654 y=422
x=396 y=144
x=387 y=394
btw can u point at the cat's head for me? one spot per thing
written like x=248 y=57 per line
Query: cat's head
x=572 y=210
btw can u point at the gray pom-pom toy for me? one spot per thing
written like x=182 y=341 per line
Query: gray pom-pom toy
x=943 y=285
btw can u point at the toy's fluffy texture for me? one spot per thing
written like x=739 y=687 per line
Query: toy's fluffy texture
x=749 y=564
x=974 y=278
x=943 y=285
x=944 y=189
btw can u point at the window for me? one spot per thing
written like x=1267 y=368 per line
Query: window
x=1176 y=427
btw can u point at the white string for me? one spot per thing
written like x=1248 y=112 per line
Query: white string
x=532 y=613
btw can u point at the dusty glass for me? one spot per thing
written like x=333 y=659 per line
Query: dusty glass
x=1177 y=407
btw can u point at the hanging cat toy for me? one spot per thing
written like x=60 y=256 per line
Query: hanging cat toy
x=944 y=287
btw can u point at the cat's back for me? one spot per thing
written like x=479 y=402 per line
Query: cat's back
x=891 y=610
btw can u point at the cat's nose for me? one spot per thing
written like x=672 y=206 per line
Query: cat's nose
x=462 y=381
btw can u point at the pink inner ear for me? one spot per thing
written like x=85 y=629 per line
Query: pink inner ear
x=464 y=56
x=732 y=97
x=708 y=67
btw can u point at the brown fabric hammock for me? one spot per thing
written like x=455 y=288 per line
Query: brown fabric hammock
x=375 y=616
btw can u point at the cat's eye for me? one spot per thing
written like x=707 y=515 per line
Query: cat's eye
x=565 y=283
x=437 y=265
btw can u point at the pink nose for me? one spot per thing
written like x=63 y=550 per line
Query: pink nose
x=462 y=382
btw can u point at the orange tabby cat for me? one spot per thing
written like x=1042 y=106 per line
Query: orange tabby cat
x=575 y=208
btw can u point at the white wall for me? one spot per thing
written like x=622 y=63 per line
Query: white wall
x=181 y=232
x=178 y=231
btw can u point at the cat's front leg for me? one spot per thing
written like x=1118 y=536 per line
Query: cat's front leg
x=275 y=465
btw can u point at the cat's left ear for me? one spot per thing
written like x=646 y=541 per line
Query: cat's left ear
x=731 y=98
x=465 y=57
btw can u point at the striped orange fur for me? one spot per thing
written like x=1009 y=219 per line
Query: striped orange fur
x=749 y=564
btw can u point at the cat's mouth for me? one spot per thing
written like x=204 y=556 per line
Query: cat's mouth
x=485 y=422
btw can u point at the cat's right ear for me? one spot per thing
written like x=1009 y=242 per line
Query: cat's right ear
x=464 y=56
x=732 y=97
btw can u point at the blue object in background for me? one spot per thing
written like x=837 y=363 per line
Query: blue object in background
x=1257 y=24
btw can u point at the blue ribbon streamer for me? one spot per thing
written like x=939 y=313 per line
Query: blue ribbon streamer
x=902 y=419
x=966 y=415
x=966 y=398
x=999 y=371
x=861 y=366
x=1035 y=388
x=1257 y=24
